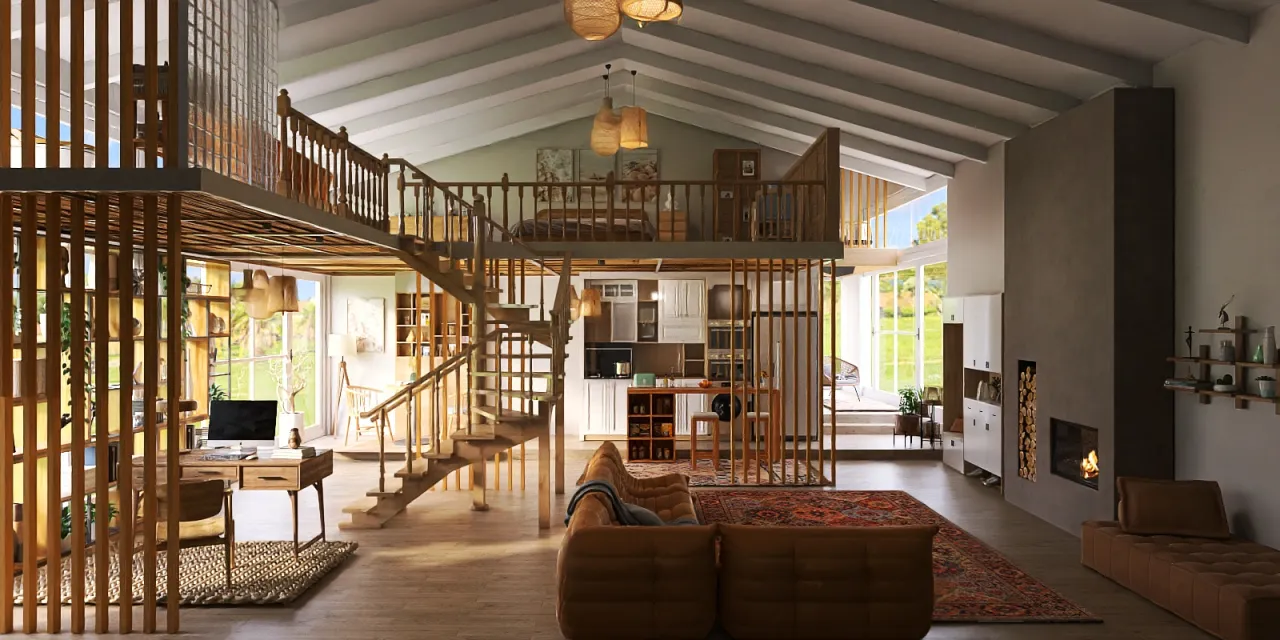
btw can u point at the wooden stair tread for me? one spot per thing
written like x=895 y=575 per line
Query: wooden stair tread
x=361 y=505
x=527 y=374
x=518 y=356
x=503 y=414
x=522 y=394
x=462 y=436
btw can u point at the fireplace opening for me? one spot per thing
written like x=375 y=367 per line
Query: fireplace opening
x=1075 y=452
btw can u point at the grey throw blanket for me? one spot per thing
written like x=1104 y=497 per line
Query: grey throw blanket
x=627 y=514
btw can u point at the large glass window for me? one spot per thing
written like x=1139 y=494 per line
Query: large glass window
x=907 y=334
x=258 y=347
x=918 y=222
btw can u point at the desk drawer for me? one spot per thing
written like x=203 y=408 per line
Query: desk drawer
x=270 y=478
x=209 y=473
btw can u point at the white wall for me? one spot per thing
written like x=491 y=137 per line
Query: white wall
x=1227 y=223
x=975 y=227
x=684 y=153
x=366 y=369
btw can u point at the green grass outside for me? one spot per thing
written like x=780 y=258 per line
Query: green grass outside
x=905 y=362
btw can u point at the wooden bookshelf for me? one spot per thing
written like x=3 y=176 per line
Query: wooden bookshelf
x=1208 y=369
x=651 y=432
x=431 y=325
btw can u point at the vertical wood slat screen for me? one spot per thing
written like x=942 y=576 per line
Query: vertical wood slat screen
x=62 y=417
x=863 y=207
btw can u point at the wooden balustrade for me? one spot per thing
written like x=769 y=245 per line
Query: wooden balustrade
x=863 y=209
x=323 y=169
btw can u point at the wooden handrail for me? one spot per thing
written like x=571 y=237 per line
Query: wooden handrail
x=448 y=366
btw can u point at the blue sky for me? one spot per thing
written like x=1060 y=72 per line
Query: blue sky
x=901 y=228
x=15 y=122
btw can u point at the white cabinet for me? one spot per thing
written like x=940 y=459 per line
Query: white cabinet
x=952 y=310
x=605 y=405
x=983 y=443
x=682 y=311
x=953 y=450
x=688 y=404
x=623 y=320
x=982 y=332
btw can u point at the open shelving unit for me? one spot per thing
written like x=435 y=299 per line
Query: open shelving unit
x=1242 y=370
x=651 y=431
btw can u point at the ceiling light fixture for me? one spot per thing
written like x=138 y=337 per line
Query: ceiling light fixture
x=592 y=19
x=606 y=129
x=635 y=122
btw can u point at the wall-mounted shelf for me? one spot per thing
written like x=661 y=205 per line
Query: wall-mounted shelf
x=1205 y=364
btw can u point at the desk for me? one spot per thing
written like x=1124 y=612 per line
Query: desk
x=253 y=474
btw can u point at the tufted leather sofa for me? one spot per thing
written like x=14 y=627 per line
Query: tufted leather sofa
x=772 y=583
x=1226 y=586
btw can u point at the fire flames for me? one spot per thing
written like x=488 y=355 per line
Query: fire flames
x=1089 y=466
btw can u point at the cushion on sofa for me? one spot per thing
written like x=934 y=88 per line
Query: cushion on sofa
x=1190 y=508
x=782 y=583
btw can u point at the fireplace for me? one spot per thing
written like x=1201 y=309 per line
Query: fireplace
x=1075 y=452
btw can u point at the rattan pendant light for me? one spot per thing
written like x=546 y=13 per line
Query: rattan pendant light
x=282 y=294
x=593 y=19
x=606 y=130
x=255 y=300
x=643 y=10
x=635 y=123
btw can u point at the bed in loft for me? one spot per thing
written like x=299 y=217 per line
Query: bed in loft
x=599 y=225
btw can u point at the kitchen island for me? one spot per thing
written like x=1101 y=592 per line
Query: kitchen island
x=657 y=416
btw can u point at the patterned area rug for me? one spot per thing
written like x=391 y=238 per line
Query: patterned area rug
x=706 y=476
x=972 y=582
x=265 y=574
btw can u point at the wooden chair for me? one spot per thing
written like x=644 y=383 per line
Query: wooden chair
x=199 y=503
x=772 y=451
x=360 y=400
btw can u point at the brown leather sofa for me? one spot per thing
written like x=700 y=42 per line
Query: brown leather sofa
x=1172 y=545
x=770 y=583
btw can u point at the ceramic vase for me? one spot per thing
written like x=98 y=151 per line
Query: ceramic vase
x=1267 y=388
x=1227 y=351
x=1269 y=346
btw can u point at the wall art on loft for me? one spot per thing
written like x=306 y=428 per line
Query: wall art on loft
x=555 y=166
x=592 y=167
x=639 y=165
x=366 y=320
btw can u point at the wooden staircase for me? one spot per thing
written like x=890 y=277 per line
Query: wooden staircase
x=504 y=389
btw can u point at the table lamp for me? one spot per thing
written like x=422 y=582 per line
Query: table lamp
x=341 y=345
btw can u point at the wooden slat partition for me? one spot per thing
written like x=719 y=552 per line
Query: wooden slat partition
x=7 y=437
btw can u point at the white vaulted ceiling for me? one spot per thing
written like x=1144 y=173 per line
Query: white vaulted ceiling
x=915 y=85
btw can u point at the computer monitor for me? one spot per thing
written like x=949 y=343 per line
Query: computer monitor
x=246 y=424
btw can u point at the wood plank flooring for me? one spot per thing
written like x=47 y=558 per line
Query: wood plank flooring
x=443 y=571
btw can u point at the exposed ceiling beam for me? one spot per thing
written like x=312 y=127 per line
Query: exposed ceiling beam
x=781 y=143
x=1220 y=23
x=824 y=76
x=296 y=13
x=884 y=53
x=477 y=123
x=410 y=85
x=1015 y=36
x=398 y=41
x=766 y=121
x=410 y=117
x=848 y=116
x=516 y=130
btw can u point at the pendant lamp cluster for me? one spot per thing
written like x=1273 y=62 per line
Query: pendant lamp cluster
x=599 y=19
x=611 y=131
x=264 y=296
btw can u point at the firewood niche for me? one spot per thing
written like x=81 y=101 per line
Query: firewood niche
x=1027 y=420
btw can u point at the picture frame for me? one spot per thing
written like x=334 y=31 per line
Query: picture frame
x=554 y=166
x=749 y=168
x=366 y=320
x=639 y=165
x=592 y=167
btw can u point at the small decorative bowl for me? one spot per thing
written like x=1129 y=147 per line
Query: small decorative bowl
x=1224 y=388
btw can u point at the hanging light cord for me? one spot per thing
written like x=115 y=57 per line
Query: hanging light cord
x=633 y=87
x=608 y=70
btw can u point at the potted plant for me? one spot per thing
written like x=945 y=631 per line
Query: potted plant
x=90 y=518
x=1266 y=386
x=907 y=422
x=290 y=375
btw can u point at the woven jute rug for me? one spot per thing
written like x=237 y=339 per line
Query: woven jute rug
x=265 y=574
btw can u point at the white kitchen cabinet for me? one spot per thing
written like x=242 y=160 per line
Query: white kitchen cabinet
x=952 y=310
x=688 y=404
x=599 y=405
x=623 y=321
x=982 y=332
x=682 y=311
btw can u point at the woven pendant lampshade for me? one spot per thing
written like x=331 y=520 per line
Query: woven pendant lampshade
x=643 y=10
x=606 y=131
x=675 y=9
x=255 y=300
x=282 y=295
x=575 y=304
x=592 y=19
x=635 y=123
x=590 y=306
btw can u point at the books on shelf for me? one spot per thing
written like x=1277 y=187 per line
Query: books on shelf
x=295 y=454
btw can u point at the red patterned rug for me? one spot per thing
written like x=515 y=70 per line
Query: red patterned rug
x=787 y=473
x=973 y=582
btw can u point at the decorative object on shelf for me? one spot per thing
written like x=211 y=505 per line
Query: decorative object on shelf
x=1266 y=387
x=606 y=129
x=635 y=122
x=1226 y=351
x=1027 y=428
x=137 y=327
x=554 y=166
x=367 y=321
x=704 y=384
x=593 y=19
x=590 y=306
x=217 y=325
x=996 y=389
x=1225 y=384
x=1190 y=334
x=295 y=438
x=1269 y=345
x=1223 y=317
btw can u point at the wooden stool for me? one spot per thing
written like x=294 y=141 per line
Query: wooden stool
x=714 y=455
x=771 y=448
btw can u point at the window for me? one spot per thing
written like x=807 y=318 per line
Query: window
x=907 y=333
x=918 y=222
x=258 y=347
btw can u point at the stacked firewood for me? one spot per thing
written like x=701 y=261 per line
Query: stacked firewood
x=1027 y=423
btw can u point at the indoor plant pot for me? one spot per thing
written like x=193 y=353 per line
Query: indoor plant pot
x=1266 y=386
x=288 y=421
x=907 y=422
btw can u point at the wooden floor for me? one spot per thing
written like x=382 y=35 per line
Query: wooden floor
x=443 y=571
